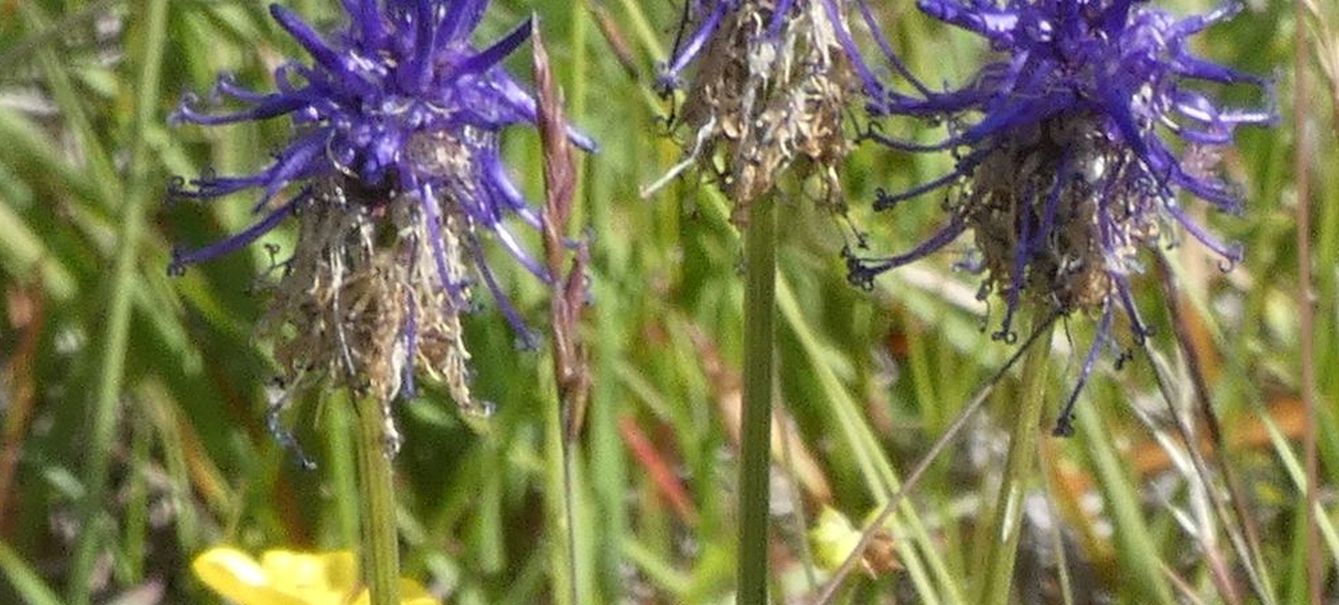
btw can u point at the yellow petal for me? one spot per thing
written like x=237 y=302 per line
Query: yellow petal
x=411 y=593
x=311 y=576
x=236 y=576
x=284 y=577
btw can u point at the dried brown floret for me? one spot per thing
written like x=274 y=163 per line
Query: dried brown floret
x=767 y=96
x=1033 y=184
x=360 y=265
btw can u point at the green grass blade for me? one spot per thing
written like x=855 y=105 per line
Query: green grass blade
x=106 y=394
x=67 y=98
x=1136 y=550
x=1007 y=526
x=23 y=253
x=877 y=471
x=25 y=580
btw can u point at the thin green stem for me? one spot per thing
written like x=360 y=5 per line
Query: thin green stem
x=376 y=487
x=111 y=366
x=26 y=583
x=1243 y=536
x=645 y=33
x=1007 y=525
x=1306 y=298
x=558 y=506
x=1057 y=533
x=341 y=465
x=756 y=441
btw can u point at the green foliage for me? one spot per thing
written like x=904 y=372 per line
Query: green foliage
x=132 y=404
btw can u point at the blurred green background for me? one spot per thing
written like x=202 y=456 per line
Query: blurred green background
x=109 y=363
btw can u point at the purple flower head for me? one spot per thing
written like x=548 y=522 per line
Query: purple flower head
x=769 y=84
x=395 y=175
x=1070 y=148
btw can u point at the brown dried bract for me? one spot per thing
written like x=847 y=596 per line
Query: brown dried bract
x=759 y=104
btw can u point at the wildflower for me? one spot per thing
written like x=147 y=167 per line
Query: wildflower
x=395 y=177
x=1066 y=150
x=283 y=577
x=768 y=91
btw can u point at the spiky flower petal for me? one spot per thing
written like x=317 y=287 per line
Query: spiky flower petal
x=395 y=176
x=1070 y=148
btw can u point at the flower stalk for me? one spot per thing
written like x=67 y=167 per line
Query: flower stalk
x=1007 y=525
x=380 y=551
x=756 y=434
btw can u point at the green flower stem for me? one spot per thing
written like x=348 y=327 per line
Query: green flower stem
x=756 y=440
x=1007 y=524
x=376 y=487
x=341 y=466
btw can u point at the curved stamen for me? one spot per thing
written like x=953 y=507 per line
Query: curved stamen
x=993 y=23
x=501 y=184
x=432 y=218
x=1231 y=253
x=966 y=165
x=491 y=56
x=181 y=259
x=696 y=43
x=1190 y=26
x=323 y=53
x=518 y=252
x=1064 y=426
x=526 y=338
x=882 y=41
x=872 y=86
x=1194 y=67
x=271 y=106
x=911 y=146
x=862 y=271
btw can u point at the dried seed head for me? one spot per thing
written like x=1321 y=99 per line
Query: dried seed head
x=362 y=300
x=768 y=94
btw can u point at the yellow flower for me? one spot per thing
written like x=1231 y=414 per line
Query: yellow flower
x=283 y=577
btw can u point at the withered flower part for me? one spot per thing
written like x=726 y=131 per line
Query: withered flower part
x=395 y=177
x=768 y=90
x=1070 y=149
